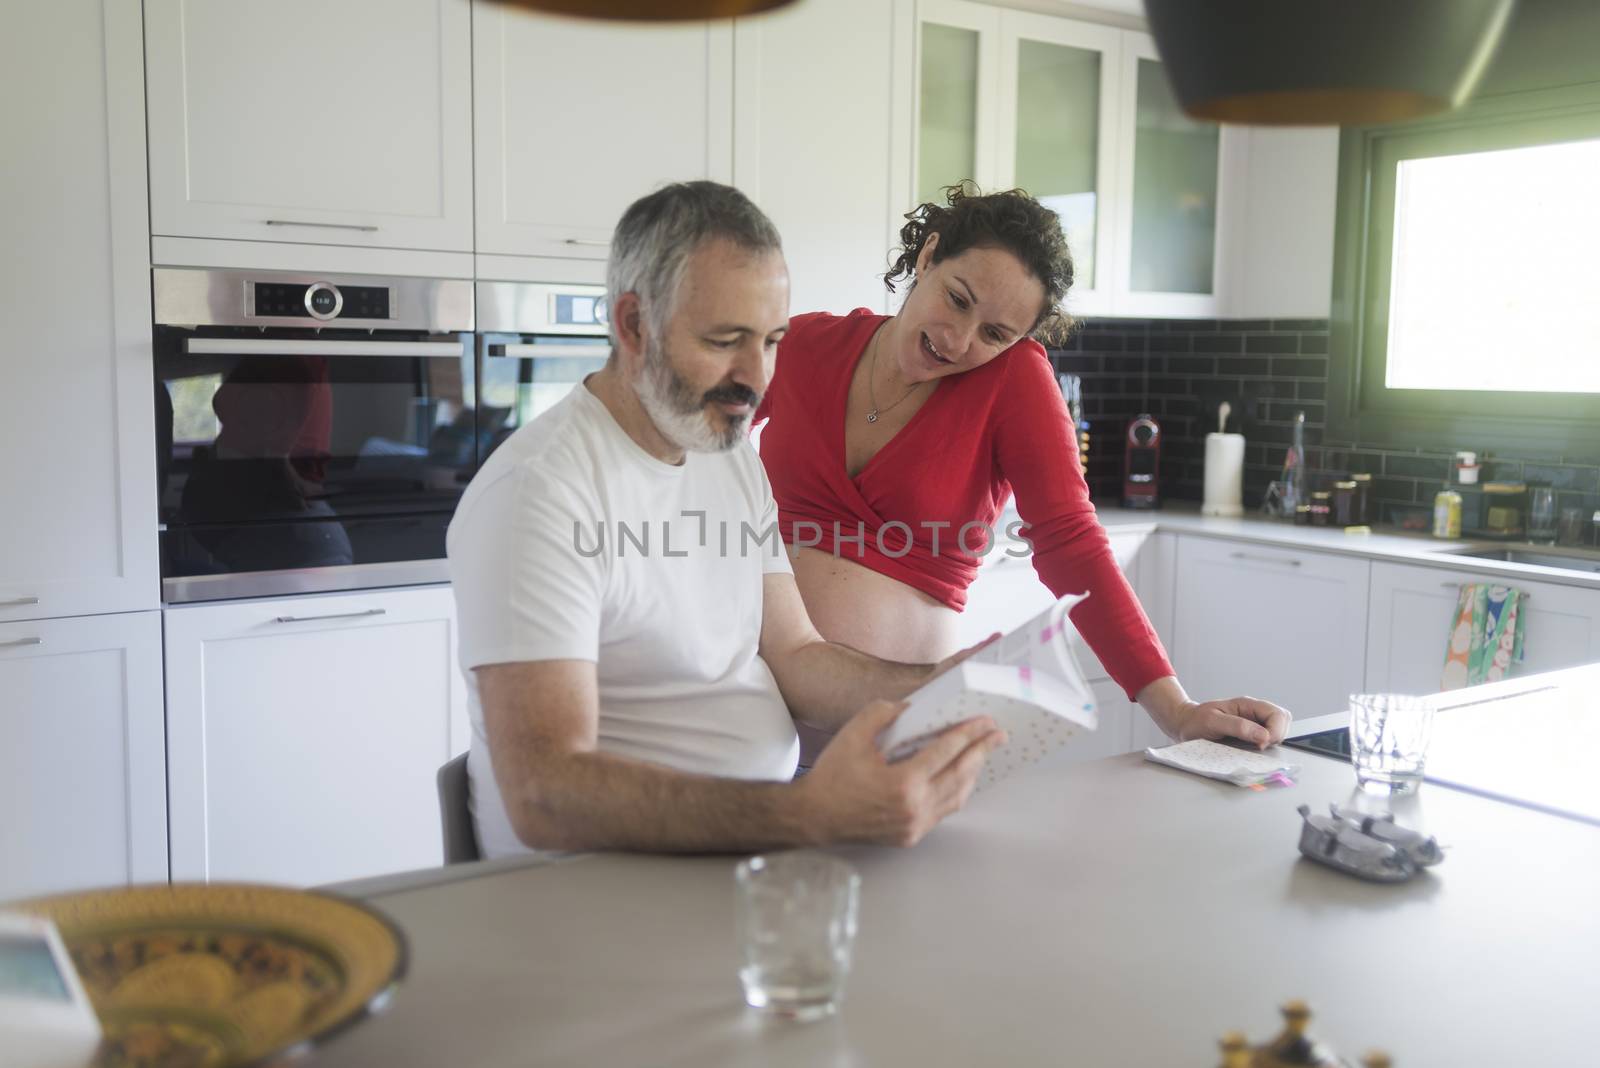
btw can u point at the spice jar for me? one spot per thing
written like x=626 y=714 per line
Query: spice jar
x=1363 y=499
x=1344 y=504
x=1321 y=508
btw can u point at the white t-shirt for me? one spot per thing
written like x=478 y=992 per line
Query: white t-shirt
x=573 y=543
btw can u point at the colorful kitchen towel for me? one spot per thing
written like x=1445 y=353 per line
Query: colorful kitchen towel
x=1485 y=635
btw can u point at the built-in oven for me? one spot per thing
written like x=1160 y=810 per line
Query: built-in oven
x=536 y=343
x=314 y=431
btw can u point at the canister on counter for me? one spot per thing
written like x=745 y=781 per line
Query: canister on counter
x=1321 y=508
x=1344 y=504
x=1447 y=514
x=1504 y=506
x=1364 y=516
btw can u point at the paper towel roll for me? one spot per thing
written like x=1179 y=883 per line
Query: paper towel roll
x=1224 y=475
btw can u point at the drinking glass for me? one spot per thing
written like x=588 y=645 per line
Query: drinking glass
x=1389 y=740
x=1569 y=529
x=1541 y=514
x=797 y=924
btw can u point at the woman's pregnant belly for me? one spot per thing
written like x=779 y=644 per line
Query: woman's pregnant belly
x=856 y=606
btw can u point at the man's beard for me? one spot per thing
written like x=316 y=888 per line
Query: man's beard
x=680 y=412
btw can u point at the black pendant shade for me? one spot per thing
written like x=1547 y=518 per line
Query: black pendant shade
x=650 y=10
x=1324 y=62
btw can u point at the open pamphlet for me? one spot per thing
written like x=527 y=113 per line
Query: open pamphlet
x=1028 y=682
x=1249 y=768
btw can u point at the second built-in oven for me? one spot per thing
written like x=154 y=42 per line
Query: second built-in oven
x=536 y=343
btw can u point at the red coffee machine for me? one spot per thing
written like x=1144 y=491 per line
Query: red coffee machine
x=1141 y=479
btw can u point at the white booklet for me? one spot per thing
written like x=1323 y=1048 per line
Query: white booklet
x=1028 y=682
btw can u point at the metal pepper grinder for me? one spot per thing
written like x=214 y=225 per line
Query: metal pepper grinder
x=1293 y=1048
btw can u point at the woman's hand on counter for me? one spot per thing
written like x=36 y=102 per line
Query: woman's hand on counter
x=1247 y=719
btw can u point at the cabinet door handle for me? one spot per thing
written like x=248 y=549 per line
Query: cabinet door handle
x=332 y=615
x=1289 y=562
x=18 y=602
x=587 y=242
x=21 y=641
x=323 y=225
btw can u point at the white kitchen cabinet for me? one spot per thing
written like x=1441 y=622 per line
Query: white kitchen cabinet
x=82 y=757
x=1057 y=134
x=79 y=492
x=1118 y=718
x=1275 y=254
x=1154 y=581
x=1413 y=609
x=1281 y=624
x=1008 y=592
x=1165 y=216
x=300 y=121
x=1079 y=114
x=303 y=734
x=832 y=188
x=1166 y=209
x=575 y=119
x=1005 y=595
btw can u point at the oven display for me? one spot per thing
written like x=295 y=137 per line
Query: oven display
x=575 y=310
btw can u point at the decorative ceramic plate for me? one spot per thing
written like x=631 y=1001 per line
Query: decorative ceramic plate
x=216 y=975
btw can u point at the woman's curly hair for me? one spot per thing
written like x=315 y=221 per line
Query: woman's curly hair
x=1012 y=221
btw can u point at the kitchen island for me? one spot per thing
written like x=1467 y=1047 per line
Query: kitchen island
x=1108 y=913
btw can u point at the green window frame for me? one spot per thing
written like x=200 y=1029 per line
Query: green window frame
x=1361 y=407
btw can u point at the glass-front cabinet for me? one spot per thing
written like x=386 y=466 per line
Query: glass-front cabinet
x=1057 y=130
x=958 y=49
x=1168 y=220
x=1079 y=115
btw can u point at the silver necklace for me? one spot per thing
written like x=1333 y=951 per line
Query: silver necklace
x=872 y=394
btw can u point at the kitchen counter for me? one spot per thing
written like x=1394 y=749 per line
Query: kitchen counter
x=1394 y=546
x=1115 y=912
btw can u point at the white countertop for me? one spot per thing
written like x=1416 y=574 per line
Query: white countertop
x=1395 y=546
x=1114 y=912
x=1529 y=741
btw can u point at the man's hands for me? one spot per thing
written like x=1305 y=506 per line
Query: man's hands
x=854 y=795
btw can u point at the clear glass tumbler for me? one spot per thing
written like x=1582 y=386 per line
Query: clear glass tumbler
x=797 y=925
x=1389 y=740
x=1541 y=515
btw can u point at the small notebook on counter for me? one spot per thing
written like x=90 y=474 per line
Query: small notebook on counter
x=1028 y=682
x=1250 y=768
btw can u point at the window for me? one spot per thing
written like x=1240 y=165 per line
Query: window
x=1495 y=283
x=1467 y=289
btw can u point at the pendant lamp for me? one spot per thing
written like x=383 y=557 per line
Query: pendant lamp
x=1324 y=62
x=650 y=10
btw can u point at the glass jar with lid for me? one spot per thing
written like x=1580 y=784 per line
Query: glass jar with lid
x=1321 y=508
x=1363 y=483
x=1344 y=504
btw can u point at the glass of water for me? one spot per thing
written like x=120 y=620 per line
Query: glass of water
x=797 y=924
x=1389 y=740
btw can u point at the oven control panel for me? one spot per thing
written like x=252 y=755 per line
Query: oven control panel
x=574 y=309
x=319 y=300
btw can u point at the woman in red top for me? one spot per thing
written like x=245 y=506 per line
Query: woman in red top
x=893 y=444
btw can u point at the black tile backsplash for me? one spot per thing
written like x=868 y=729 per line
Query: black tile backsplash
x=1179 y=370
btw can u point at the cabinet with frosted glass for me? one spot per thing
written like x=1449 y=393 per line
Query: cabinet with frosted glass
x=1079 y=115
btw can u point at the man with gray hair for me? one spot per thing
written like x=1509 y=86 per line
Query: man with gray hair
x=635 y=647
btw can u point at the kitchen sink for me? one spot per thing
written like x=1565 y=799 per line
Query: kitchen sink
x=1537 y=555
